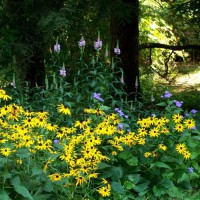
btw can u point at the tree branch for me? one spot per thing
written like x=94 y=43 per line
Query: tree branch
x=165 y=46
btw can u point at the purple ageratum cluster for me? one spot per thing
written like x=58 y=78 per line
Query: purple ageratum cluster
x=178 y=103
x=193 y=111
x=97 y=96
x=190 y=169
x=120 y=126
x=166 y=95
x=121 y=113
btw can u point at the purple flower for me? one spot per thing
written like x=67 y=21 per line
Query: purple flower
x=178 y=103
x=63 y=72
x=82 y=42
x=186 y=115
x=117 y=109
x=120 y=126
x=117 y=51
x=126 y=116
x=57 y=48
x=98 y=44
x=56 y=141
x=120 y=112
x=97 y=96
x=190 y=169
x=193 y=111
x=166 y=95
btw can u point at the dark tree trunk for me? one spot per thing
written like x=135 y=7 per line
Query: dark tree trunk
x=126 y=31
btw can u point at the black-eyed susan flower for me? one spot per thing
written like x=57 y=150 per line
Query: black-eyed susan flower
x=80 y=180
x=154 y=132
x=105 y=190
x=189 y=123
x=186 y=154
x=5 y=151
x=179 y=127
x=180 y=148
x=63 y=109
x=55 y=177
x=177 y=118
x=147 y=154
x=162 y=147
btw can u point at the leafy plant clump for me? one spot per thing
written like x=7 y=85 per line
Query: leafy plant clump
x=99 y=154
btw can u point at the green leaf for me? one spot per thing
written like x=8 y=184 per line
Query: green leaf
x=160 y=165
x=133 y=161
x=42 y=196
x=23 y=191
x=4 y=195
x=174 y=192
x=103 y=165
x=116 y=186
x=193 y=175
x=141 y=187
x=134 y=178
x=161 y=104
x=128 y=185
x=184 y=177
x=166 y=183
x=15 y=181
x=125 y=155
x=158 y=191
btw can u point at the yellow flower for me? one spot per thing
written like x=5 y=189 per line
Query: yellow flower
x=179 y=127
x=80 y=180
x=180 y=148
x=147 y=154
x=3 y=95
x=154 y=132
x=55 y=177
x=104 y=181
x=162 y=146
x=104 y=191
x=189 y=123
x=141 y=141
x=64 y=110
x=51 y=127
x=177 y=118
x=5 y=151
x=186 y=154
x=165 y=130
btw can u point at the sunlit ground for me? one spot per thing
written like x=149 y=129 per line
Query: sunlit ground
x=188 y=81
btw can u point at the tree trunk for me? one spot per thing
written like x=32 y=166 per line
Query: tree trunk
x=126 y=31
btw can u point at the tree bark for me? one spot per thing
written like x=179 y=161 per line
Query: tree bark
x=126 y=31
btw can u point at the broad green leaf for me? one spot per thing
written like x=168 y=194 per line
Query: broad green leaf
x=103 y=165
x=117 y=187
x=134 y=178
x=158 y=191
x=125 y=155
x=174 y=192
x=133 y=161
x=42 y=197
x=184 y=177
x=128 y=185
x=160 y=165
x=4 y=195
x=161 y=104
x=141 y=187
x=166 y=183
x=23 y=191
x=15 y=181
x=193 y=175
